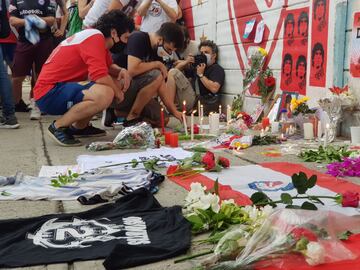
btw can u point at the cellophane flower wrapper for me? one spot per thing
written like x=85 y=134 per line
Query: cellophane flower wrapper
x=279 y=237
x=134 y=137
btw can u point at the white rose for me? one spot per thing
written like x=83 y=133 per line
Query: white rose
x=197 y=187
x=211 y=200
x=315 y=253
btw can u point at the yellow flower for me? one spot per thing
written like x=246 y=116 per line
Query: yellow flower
x=263 y=51
x=306 y=98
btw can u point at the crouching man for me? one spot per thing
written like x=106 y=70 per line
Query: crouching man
x=60 y=89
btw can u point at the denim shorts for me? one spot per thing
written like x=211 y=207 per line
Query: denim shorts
x=62 y=97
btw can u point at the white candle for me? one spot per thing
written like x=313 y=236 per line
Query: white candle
x=220 y=109
x=202 y=111
x=228 y=114
x=326 y=137
x=185 y=124
x=214 y=123
x=308 y=131
x=192 y=125
x=319 y=131
x=199 y=109
x=287 y=132
x=274 y=127
x=201 y=125
x=355 y=135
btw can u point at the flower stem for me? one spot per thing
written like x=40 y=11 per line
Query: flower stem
x=130 y=162
x=296 y=198
x=194 y=256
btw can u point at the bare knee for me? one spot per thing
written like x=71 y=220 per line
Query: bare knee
x=103 y=96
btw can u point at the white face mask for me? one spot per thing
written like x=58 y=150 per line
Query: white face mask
x=161 y=52
x=208 y=59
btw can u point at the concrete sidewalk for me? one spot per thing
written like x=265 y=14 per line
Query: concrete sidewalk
x=28 y=148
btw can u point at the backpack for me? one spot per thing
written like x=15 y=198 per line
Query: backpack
x=4 y=21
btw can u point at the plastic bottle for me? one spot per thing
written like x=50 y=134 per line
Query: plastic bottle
x=283 y=120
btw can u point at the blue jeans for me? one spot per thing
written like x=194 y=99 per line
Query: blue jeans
x=6 y=93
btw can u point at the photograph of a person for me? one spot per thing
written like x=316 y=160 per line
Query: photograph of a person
x=301 y=71
x=320 y=14
x=317 y=60
x=285 y=103
x=303 y=27
x=287 y=68
x=289 y=28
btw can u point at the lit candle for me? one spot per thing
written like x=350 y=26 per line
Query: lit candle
x=192 y=125
x=214 y=123
x=184 y=106
x=162 y=121
x=174 y=140
x=201 y=125
x=228 y=114
x=220 y=109
x=185 y=124
x=308 y=131
x=201 y=111
x=326 y=137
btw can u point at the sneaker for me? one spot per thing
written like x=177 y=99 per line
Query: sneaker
x=62 y=137
x=35 y=113
x=9 y=123
x=108 y=118
x=132 y=122
x=22 y=107
x=89 y=131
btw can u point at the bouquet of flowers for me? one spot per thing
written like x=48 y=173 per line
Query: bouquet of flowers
x=347 y=99
x=138 y=136
x=257 y=61
x=303 y=236
x=300 y=106
x=266 y=83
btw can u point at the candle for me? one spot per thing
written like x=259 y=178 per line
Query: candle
x=185 y=124
x=274 y=127
x=162 y=121
x=192 y=125
x=287 y=132
x=220 y=109
x=228 y=114
x=319 y=131
x=308 y=131
x=214 y=124
x=283 y=138
x=355 y=135
x=167 y=137
x=326 y=137
x=174 y=140
x=201 y=125
x=265 y=122
x=184 y=106
x=199 y=110
x=262 y=133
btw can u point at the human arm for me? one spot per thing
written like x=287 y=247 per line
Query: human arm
x=121 y=74
x=170 y=11
x=136 y=66
x=84 y=7
x=108 y=81
x=143 y=8
x=64 y=19
x=182 y=64
x=115 y=4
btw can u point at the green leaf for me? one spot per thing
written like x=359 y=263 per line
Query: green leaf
x=300 y=182
x=286 y=198
x=55 y=183
x=311 y=181
x=196 y=223
x=290 y=206
x=344 y=235
x=217 y=168
x=75 y=175
x=308 y=206
x=199 y=149
x=5 y=193
x=259 y=197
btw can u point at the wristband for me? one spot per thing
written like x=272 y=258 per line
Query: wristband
x=201 y=75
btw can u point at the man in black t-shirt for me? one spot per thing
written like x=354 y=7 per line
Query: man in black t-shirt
x=145 y=53
x=26 y=53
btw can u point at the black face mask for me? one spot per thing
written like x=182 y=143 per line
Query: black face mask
x=119 y=47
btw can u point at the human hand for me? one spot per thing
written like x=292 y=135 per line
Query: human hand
x=178 y=115
x=162 y=68
x=190 y=59
x=58 y=33
x=125 y=77
x=119 y=96
x=200 y=69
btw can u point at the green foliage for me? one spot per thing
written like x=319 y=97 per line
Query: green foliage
x=265 y=140
x=64 y=179
x=236 y=106
x=326 y=154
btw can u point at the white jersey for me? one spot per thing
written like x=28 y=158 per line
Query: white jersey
x=95 y=12
x=156 y=16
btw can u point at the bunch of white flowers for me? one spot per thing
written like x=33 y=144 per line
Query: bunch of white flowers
x=315 y=253
x=197 y=198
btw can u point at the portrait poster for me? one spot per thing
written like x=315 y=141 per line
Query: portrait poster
x=319 y=42
x=295 y=48
x=285 y=103
x=355 y=48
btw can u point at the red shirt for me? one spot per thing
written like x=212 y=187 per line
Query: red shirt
x=80 y=57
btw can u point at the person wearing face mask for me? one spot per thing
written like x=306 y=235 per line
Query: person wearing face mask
x=210 y=77
x=145 y=53
x=62 y=87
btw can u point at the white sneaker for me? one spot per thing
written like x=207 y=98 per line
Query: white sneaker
x=35 y=113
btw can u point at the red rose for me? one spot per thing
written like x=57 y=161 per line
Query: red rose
x=270 y=81
x=350 y=199
x=208 y=160
x=298 y=233
x=224 y=162
x=196 y=129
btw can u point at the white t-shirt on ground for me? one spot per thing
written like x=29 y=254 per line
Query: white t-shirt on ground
x=156 y=16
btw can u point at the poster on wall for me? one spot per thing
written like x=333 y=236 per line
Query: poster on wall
x=295 y=47
x=355 y=48
x=319 y=42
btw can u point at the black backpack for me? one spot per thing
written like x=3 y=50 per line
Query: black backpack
x=4 y=21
